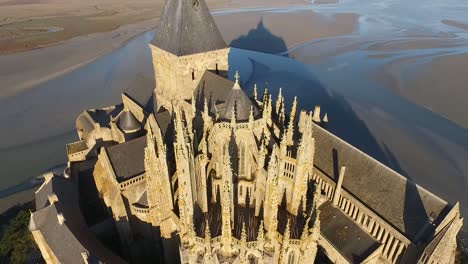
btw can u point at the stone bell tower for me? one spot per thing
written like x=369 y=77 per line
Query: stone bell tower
x=186 y=44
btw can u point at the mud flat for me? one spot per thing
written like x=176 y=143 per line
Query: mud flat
x=455 y=23
x=268 y=32
x=415 y=43
x=26 y=25
x=20 y=71
x=326 y=2
x=439 y=85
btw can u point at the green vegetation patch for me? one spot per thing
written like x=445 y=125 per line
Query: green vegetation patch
x=17 y=242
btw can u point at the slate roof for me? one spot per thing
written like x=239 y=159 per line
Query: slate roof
x=214 y=88
x=405 y=205
x=240 y=102
x=352 y=242
x=141 y=91
x=128 y=122
x=72 y=238
x=127 y=159
x=143 y=200
x=221 y=95
x=187 y=27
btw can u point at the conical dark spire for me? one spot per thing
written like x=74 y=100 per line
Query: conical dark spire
x=187 y=27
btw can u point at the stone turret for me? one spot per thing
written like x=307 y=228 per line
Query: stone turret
x=187 y=43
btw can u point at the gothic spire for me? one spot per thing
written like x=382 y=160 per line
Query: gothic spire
x=255 y=92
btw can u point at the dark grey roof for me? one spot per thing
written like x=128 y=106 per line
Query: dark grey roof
x=350 y=240
x=72 y=238
x=187 y=27
x=219 y=91
x=128 y=122
x=240 y=102
x=214 y=88
x=127 y=158
x=399 y=201
x=143 y=200
x=141 y=91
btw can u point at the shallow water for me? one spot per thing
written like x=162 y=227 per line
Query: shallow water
x=422 y=145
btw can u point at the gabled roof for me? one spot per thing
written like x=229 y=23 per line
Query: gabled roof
x=405 y=205
x=187 y=27
x=70 y=239
x=128 y=158
x=345 y=235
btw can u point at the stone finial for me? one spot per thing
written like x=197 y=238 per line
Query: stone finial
x=237 y=76
x=316 y=116
x=293 y=110
x=60 y=218
x=255 y=92
x=243 y=235
x=265 y=96
x=270 y=102
x=52 y=198
x=325 y=118
x=279 y=101
x=261 y=234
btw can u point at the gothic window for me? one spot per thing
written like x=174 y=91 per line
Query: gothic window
x=193 y=74
x=242 y=163
x=292 y=258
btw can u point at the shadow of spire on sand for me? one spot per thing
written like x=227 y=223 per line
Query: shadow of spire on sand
x=260 y=39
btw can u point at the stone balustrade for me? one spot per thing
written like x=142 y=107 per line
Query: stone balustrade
x=124 y=185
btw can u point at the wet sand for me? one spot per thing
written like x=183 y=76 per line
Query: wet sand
x=415 y=43
x=454 y=23
x=20 y=71
x=413 y=151
x=326 y=2
x=268 y=32
x=440 y=84
x=25 y=25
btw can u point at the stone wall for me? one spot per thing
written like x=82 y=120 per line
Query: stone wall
x=177 y=77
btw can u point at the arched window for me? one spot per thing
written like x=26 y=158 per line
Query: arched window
x=292 y=257
x=242 y=161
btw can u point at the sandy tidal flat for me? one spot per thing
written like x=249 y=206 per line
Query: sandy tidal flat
x=455 y=23
x=30 y=24
x=440 y=84
x=268 y=32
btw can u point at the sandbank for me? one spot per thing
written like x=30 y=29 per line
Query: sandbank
x=262 y=30
x=454 y=23
x=439 y=85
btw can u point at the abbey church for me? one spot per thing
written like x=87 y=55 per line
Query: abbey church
x=195 y=170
